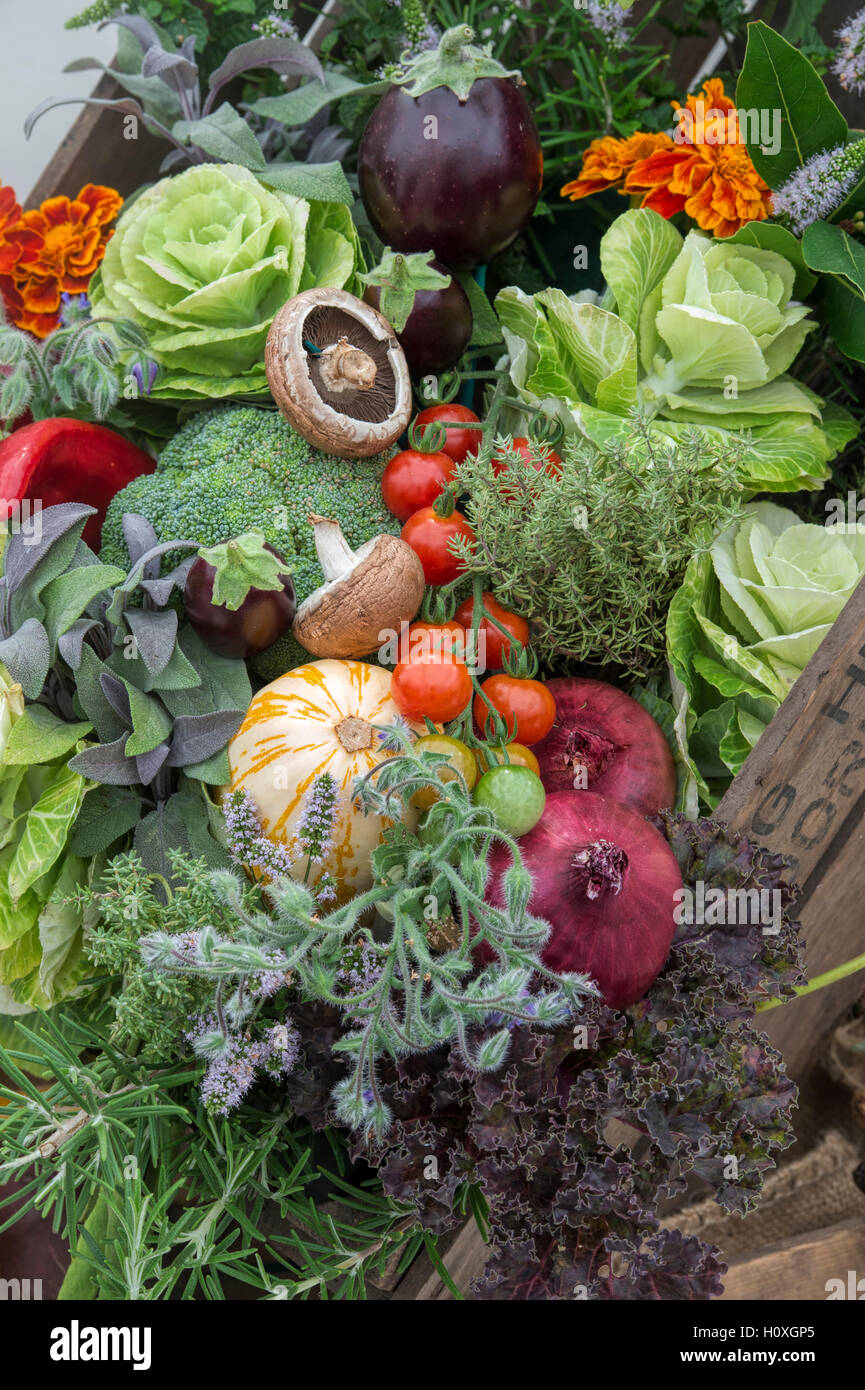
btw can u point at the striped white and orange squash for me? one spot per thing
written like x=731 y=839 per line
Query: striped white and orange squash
x=314 y=719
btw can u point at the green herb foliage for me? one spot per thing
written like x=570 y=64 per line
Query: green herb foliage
x=158 y=1199
x=592 y=554
x=102 y=657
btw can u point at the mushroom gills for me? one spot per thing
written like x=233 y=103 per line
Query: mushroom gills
x=334 y=333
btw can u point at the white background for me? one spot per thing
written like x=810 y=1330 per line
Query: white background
x=34 y=49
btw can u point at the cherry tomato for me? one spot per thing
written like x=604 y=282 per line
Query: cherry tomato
x=428 y=535
x=413 y=480
x=519 y=756
x=520 y=452
x=460 y=760
x=459 y=440
x=431 y=686
x=530 y=702
x=492 y=643
x=448 y=638
x=516 y=797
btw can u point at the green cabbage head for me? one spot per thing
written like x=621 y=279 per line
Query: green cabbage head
x=203 y=260
x=747 y=619
x=693 y=331
x=722 y=317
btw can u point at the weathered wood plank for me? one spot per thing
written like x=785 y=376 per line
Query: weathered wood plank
x=463 y=1256
x=95 y=151
x=802 y=792
x=799 y=1269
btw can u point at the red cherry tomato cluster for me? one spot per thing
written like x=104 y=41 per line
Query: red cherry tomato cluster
x=495 y=644
x=520 y=454
x=413 y=480
x=516 y=698
x=432 y=680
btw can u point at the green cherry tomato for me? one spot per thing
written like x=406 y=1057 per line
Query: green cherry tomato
x=515 y=795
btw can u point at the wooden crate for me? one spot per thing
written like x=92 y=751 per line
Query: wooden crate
x=801 y=792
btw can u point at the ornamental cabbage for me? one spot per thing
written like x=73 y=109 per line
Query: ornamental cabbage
x=693 y=331
x=747 y=619
x=203 y=260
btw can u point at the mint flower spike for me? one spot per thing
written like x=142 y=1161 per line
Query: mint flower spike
x=849 y=66
x=815 y=191
x=609 y=19
x=318 y=818
x=247 y=843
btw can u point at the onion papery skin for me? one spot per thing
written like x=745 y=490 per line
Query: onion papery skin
x=622 y=748
x=621 y=938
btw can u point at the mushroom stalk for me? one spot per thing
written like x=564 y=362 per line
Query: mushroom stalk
x=346 y=368
x=335 y=555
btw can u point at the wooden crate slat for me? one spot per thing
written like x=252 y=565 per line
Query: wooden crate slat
x=801 y=791
x=798 y=1269
x=95 y=151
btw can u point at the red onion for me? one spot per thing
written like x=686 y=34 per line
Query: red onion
x=605 y=879
x=603 y=741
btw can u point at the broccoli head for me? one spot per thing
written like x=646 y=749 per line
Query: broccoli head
x=241 y=468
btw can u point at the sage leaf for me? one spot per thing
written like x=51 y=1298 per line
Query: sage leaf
x=322 y=183
x=21 y=556
x=67 y=596
x=46 y=830
x=149 y=763
x=299 y=106
x=151 y=722
x=225 y=135
x=106 y=813
x=92 y=699
x=215 y=770
x=106 y=762
x=27 y=656
x=199 y=736
x=155 y=635
x=39 y=736
x=160 y=589
x=69 y=643
x=281 y=54
x=138 y=534
x=117 y=695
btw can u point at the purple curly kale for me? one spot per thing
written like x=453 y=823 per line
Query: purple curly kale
x=581 y=1137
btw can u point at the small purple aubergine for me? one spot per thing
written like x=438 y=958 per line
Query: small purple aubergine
x=263 y=617
x=438 y=329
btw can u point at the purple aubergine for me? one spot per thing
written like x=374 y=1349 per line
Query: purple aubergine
x=460 y=178
x=438 y=329
x=263 y=616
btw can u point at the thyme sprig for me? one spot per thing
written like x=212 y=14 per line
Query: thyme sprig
x=593 y=554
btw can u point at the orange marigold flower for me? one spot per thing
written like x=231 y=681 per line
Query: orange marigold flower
x=607 y=161
x=59 y=245
x=707 y=171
